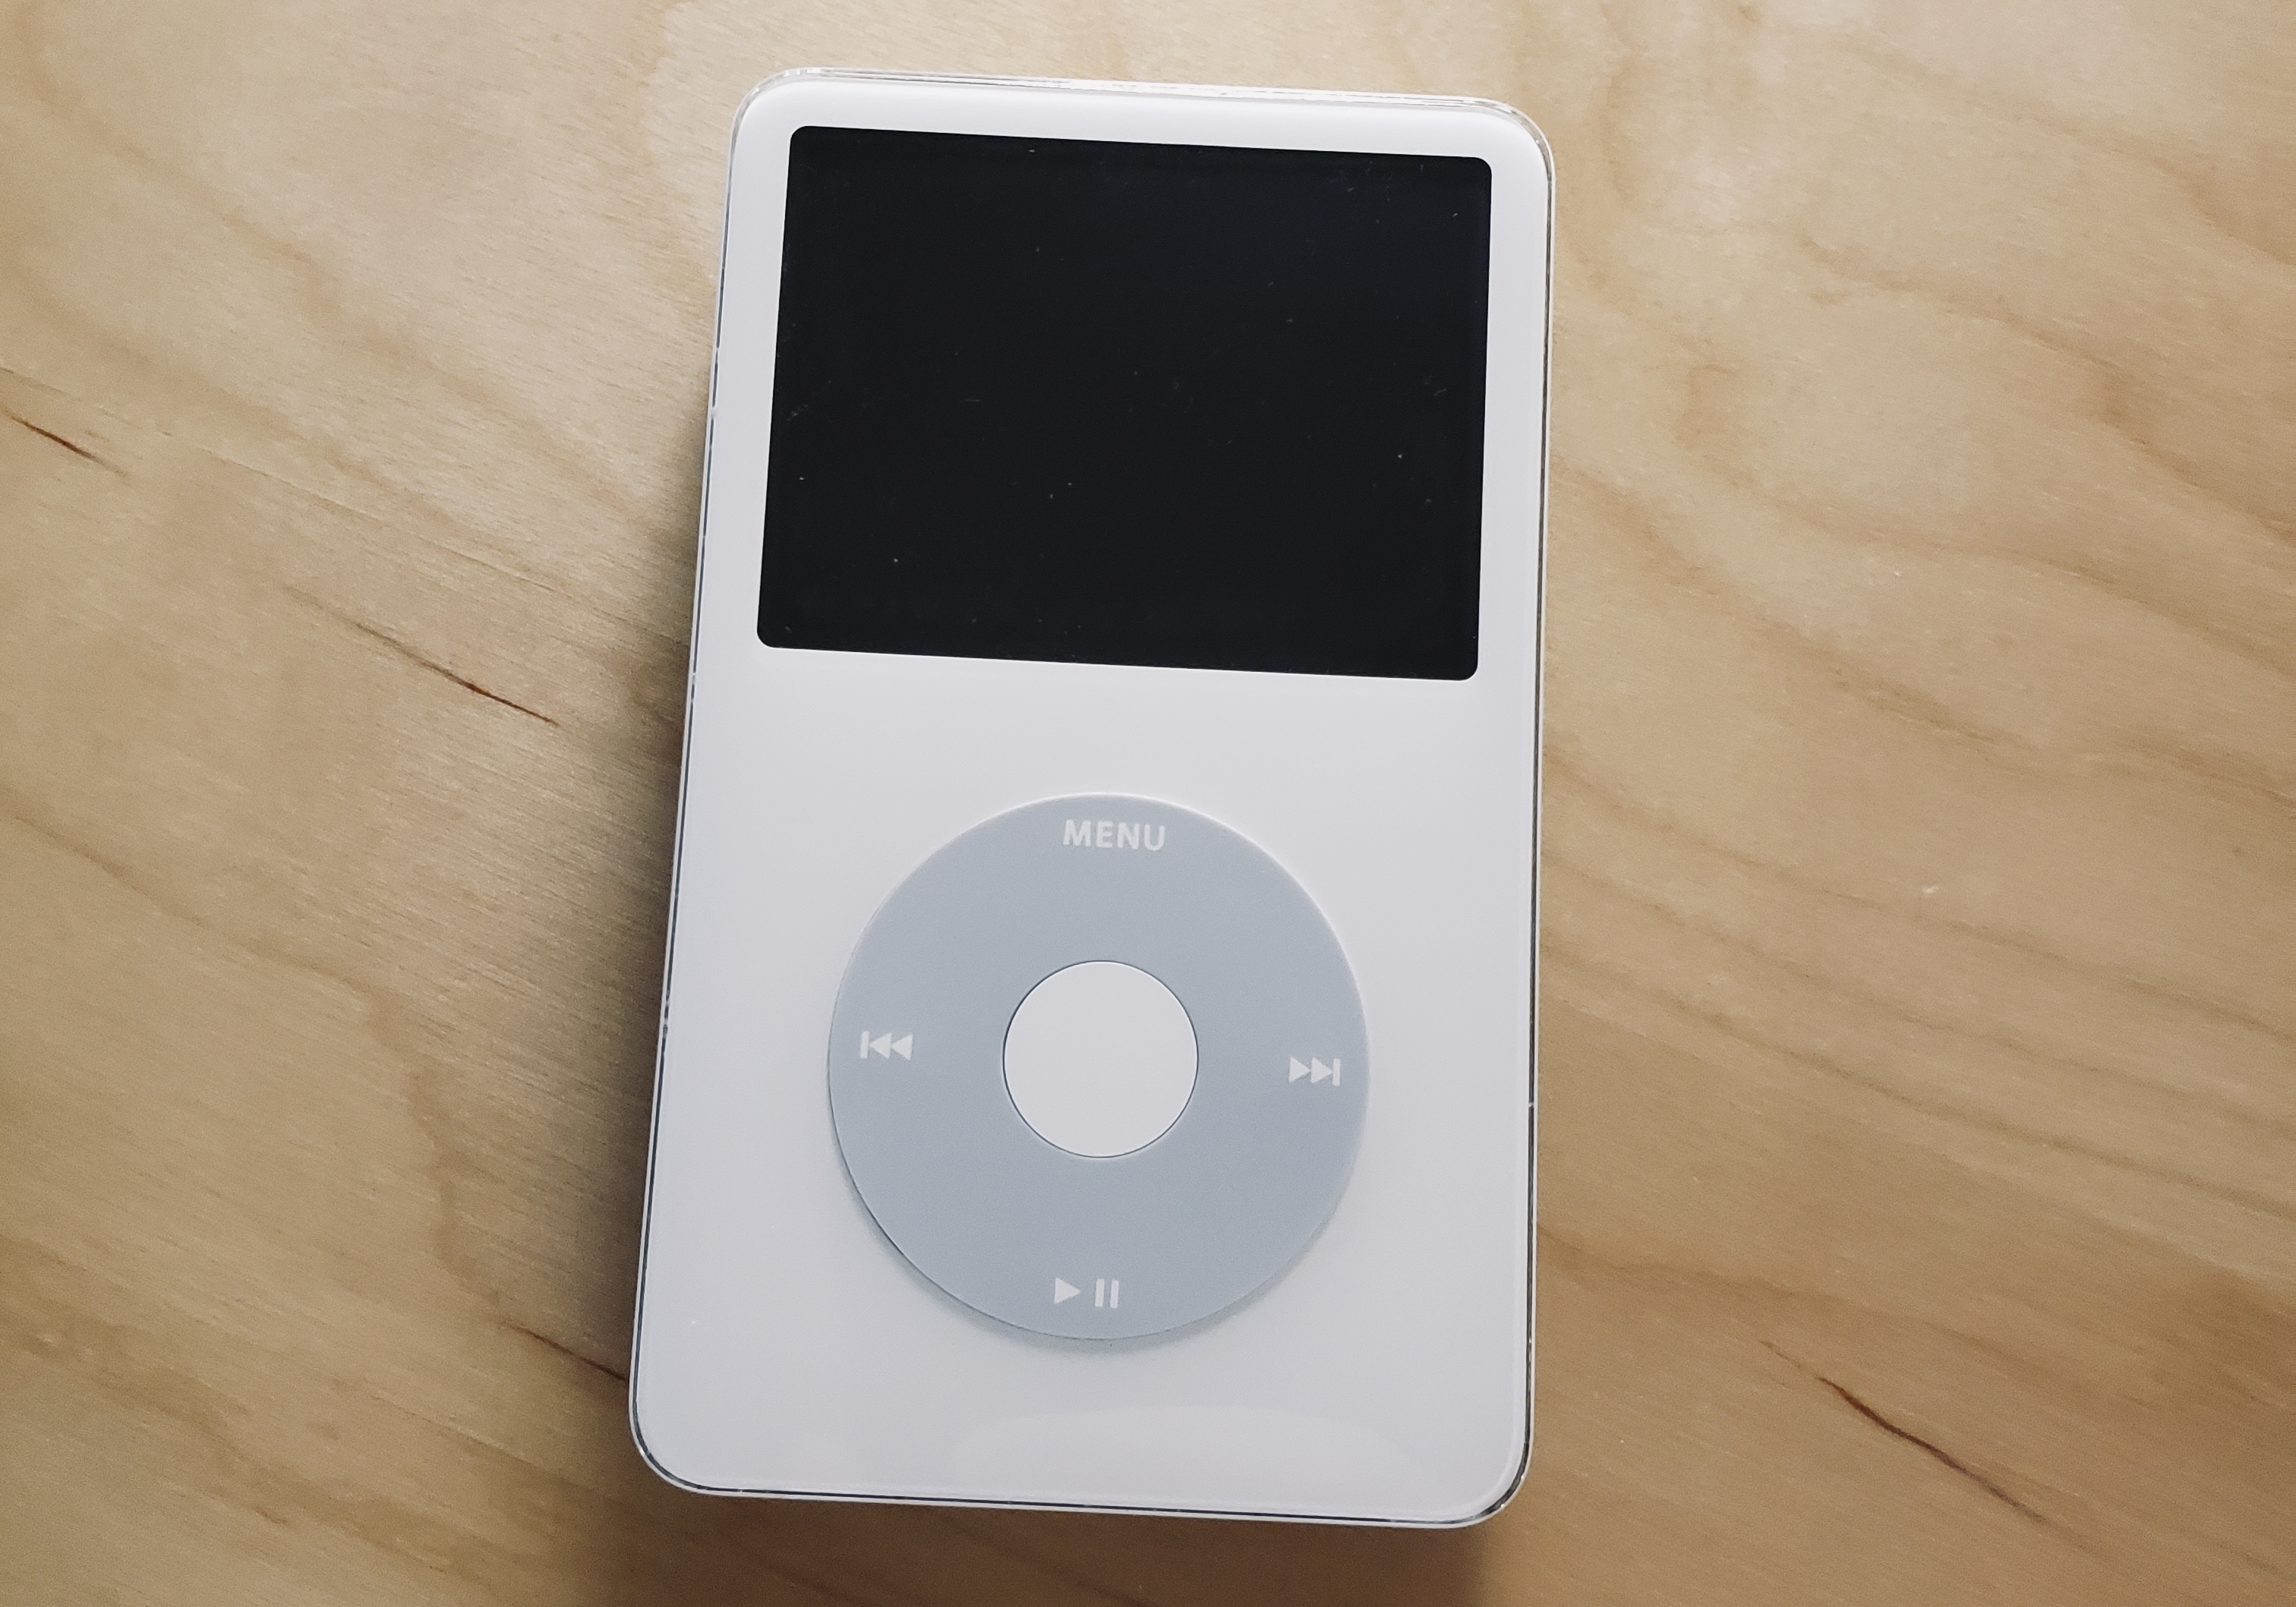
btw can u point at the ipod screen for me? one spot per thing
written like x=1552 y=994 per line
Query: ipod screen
x=1198 y=406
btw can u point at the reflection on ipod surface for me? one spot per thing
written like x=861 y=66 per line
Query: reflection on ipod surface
x=1096 y=1056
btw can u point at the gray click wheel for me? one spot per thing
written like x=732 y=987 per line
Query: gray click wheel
x=1097 y=1068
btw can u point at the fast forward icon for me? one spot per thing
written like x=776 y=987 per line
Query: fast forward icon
x=1315 y=1071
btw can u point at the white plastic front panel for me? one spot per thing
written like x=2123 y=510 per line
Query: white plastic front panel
x=784 y=1346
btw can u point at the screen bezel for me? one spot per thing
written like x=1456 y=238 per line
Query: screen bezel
x=1514 y=444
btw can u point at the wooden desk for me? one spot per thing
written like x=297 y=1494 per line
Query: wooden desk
x=1920 y=1042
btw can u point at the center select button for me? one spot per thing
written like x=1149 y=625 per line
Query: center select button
x=1099 y=1059
x=1107 y=995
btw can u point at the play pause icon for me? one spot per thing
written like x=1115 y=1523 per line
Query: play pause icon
x=1107 y=1293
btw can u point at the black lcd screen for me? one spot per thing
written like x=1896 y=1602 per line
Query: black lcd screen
x=1201 y=407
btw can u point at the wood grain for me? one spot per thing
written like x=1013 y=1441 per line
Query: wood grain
x=1919 y=1057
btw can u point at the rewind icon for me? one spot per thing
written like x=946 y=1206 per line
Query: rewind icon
x=885 y=1046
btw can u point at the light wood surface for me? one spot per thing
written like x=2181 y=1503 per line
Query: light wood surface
x=1919 y=1049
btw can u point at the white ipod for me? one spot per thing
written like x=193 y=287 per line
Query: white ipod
x=1096 y=1052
